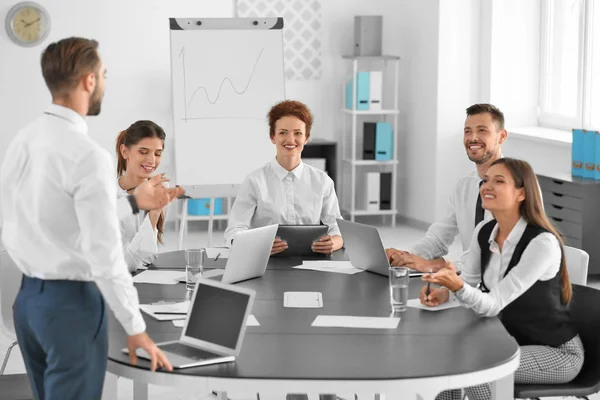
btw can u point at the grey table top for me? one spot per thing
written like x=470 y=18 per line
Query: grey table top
x=285 y=346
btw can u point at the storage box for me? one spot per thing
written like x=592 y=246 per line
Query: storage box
x=202 y=206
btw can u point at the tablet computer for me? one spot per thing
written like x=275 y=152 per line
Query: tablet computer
x=299 y=239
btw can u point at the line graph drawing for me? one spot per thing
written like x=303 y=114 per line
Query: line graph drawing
x=188 y=104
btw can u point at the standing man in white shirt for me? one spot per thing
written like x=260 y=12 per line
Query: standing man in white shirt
x=484 y=134
x=58 y=198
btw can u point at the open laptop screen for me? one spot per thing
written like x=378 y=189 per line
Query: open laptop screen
x=217 y=315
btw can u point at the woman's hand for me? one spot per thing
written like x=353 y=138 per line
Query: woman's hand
x=278 y=246
x=323 y=245
x=436 y=296
x=446 y=277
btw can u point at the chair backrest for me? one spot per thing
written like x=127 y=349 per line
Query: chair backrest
x=585 y=312
x=10 y=282
x=577 y=265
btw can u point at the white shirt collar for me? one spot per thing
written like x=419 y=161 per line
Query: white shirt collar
x=282 y=172
x=515 y=234
x=68 y=115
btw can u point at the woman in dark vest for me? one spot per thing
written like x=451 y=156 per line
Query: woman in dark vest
x=516 y=270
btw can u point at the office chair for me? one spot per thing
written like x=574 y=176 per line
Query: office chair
x=585 y=311
x=10 y=282
x=577 y=265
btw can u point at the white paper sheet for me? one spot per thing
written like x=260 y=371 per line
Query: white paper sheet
x=342 y=321
x=152 y=309
x=212 y=252
x=416 y=303
x=208 y=273
x=157 y=277
x=251 y=321
x=340 y=267
x=303 y=299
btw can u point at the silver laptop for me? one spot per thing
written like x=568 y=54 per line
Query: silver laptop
x=248 y=257
x=214 y=327
x=365 y=248
x=249 y=254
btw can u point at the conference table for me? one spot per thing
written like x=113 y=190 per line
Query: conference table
x=428 y=352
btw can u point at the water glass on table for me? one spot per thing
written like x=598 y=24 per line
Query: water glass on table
x=194 y=262
x=399 y=288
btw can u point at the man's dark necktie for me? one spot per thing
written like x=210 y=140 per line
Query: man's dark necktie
x=478 y=209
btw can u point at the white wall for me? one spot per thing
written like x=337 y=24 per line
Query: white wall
x=458 y=87
x=417 y=39
x=134 y=44
x=447 y=64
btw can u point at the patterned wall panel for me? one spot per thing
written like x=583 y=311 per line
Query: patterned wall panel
x=301 y=32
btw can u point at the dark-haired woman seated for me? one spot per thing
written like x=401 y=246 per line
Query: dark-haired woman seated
x=518 y=260
x=139 y=150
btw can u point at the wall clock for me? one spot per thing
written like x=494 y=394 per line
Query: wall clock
x=27 y=24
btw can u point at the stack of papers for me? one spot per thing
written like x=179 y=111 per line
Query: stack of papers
x=157 y=277
x=340 y=267
x=172 y=311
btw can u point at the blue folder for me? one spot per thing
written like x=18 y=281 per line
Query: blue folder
x=362 y=89
x=202 y=206
x=597 y=156
x=384 y=141
x=577 y=153
x=589 y=154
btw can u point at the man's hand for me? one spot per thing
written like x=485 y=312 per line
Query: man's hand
x=152 y=195
x=323 y=245
x=278 y=246
x=411 y=261
x=393 y=253
x=436 y=296
x=157 y=357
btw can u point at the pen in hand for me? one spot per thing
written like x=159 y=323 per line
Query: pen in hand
x=428 y=291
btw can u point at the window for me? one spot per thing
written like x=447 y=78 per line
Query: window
x=570 y=64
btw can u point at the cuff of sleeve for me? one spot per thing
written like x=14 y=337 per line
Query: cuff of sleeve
x=464 y=293
x=137 y=326
x=149 y=242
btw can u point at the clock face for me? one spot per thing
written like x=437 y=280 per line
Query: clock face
x=27 y=24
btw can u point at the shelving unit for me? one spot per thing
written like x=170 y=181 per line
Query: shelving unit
x=352 y=164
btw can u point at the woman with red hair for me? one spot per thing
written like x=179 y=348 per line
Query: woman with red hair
x=287 y=191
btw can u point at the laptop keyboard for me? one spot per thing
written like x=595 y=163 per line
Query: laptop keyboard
x=187 y=351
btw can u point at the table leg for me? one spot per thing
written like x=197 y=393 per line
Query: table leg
x=221 y=395
x=182 y=223
x=109 y=392
x=503 y=388
x=140 y=391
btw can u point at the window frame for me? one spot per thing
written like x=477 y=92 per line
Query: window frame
x=582 y=119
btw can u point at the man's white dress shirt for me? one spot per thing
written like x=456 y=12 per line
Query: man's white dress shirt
x=540 y=261
x=59 y=203
x=460 y=220
x=273 y=195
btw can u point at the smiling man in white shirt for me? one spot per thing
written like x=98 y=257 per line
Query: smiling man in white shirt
x=484 y=134
x=58 y=199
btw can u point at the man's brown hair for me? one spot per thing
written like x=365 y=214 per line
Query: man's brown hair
x=65 y=62
x=497 y=115
x=290 y=108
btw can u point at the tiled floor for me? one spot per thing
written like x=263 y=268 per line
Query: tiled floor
x=400 y=237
